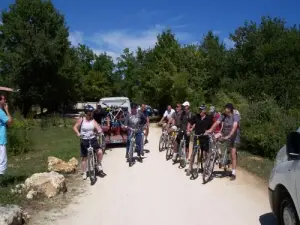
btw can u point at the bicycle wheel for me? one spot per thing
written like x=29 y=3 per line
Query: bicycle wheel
x=169 y=148
x=209 y=166
x=130 y=152
x=161 y=142
x=92 y=168
x=182 y=154
x=195 y=162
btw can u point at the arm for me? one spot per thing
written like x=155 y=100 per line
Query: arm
x=4 y=118
x=164 y=116
x=236 y=120
x=76 y=126
x=7 y=119
x=97 y=127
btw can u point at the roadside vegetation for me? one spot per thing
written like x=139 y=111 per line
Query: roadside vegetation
x=259 y=73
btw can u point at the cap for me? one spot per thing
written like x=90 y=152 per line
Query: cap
x=229 y=106
x=186 y=103
x=212 y=109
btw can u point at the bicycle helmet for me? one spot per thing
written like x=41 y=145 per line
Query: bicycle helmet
x=88 y=108
x=202 y=107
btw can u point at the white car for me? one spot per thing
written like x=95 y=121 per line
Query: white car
x=284 y=182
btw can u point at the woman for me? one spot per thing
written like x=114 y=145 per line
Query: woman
x=85 y=128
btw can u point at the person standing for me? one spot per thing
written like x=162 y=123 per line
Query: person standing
x=5 y=120
x=144 y=110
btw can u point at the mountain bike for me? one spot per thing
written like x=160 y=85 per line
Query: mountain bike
x=170 y=139
x=132 y=145
x=182 y=150
x=197 y=157
x=92 y=161
x=163 y=141
x=213 y=155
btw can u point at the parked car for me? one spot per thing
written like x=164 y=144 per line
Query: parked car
x=116 y=108
x=284 y=182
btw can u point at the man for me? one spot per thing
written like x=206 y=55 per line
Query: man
x=181 y=120
x=230 y=132
x=201 y=123
x=99 y=114
x=5 y=119
x=144 y=110
x=167 y=116
x=138 y=120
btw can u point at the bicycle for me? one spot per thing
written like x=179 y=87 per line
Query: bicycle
x=102 y=143
x=132 y=145
x=163 y=141
x=197 y=155
x=92 y=161
x=182 y=150
x=170 y=139
x=213 y=156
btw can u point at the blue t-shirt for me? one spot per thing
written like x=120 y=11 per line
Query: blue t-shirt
x=3 y=121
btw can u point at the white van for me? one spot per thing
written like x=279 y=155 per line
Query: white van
x=123 y=102
x=284 y=182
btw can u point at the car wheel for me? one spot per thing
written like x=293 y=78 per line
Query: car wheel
x=288 y=213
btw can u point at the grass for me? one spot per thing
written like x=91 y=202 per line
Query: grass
x=53 y=141
x=257 y=165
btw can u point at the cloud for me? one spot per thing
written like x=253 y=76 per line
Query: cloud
x=76 y=38
x=228 y=43
x=216 y=32
x=113 y=42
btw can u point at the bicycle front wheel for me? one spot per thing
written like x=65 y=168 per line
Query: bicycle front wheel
x=169 y=149
x=161 y=142
x=182 y=154
x=209 y=166
x=92 y=168
x=195 y=162
x=130 y=152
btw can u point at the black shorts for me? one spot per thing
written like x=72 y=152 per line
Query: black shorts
x=85 y=144
x=187 y=139
x=204 y=143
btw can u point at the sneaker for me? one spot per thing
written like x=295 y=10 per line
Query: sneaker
x=126 y=155
x=232 y=177
x=146 y=141
x=188 y=172
x=84 y=176
x=99 y=168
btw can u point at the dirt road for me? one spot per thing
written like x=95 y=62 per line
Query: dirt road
x=156 y=192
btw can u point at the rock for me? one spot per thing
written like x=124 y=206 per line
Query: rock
x=31 y=194
x=12 y=215
x=48 y=184
x=58 y=165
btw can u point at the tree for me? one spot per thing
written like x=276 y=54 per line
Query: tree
x=34 y=41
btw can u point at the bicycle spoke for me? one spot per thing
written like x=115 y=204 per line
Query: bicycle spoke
x=209 y=166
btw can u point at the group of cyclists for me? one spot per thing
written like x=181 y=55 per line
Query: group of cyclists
x=207 y=121
x=90 y=123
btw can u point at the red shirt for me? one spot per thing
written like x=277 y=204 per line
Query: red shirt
x=216 y=117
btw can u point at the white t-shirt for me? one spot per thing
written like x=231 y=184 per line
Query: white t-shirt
x=169 y=114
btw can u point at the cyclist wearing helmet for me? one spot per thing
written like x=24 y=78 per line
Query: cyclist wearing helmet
x=201 y=122
x=85 y=128
x=230 y=132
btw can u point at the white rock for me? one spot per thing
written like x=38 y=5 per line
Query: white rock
x=12 y=215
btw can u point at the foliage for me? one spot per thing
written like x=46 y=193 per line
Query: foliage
x=260 y=75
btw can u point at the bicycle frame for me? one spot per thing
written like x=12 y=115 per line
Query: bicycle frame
x=132 y=145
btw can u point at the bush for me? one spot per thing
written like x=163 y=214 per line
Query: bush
x=19 y=141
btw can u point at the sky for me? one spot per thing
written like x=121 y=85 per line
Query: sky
x=111 y=26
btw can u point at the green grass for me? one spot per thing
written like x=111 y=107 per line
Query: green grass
x=54 y=141
x=257 y=165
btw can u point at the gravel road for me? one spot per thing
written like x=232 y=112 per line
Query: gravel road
x=156 y=192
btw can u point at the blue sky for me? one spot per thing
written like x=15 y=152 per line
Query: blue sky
x=114 y=25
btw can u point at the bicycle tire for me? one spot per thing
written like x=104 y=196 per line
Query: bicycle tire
x=209 y=166
x=182 y=154
x=92 y=168
x=169 y=149
x=195 y=157
x=225 y=163
x=161 y=142
x=130 y=153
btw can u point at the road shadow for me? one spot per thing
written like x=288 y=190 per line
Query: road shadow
x=221 y=174
x=267 y=219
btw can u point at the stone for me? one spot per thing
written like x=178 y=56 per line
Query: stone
x=12 y=215
x=48 y=184
x=58 y=165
